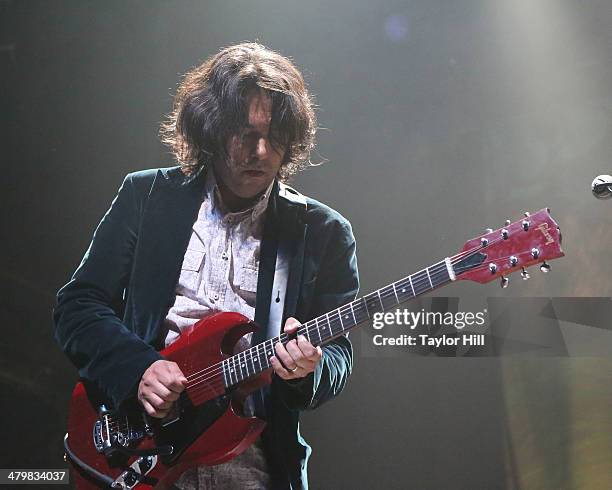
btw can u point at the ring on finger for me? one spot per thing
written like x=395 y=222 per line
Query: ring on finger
x=294 y=369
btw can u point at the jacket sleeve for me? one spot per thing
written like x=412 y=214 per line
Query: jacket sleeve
x=86 y=316
x=337 y=283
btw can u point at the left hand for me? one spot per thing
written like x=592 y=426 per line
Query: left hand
x=298 y=357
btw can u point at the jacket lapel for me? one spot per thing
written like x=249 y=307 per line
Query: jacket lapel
x=167 y=224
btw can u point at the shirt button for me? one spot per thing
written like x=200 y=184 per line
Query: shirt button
x=224 y=256
x=215 y=297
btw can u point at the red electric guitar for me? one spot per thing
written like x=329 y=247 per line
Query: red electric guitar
x=126 y=449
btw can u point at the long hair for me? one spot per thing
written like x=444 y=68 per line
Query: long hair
x=211 y=105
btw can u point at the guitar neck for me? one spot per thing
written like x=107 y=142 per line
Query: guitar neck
x=324 y=328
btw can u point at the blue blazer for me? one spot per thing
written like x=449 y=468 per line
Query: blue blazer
x=109 y=316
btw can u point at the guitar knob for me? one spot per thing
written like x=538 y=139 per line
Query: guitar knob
x=526 y=214
x=544 y=267
x=493 y=268
x=513 y=261
x=535 y=253
x=504 y=234
x=524 y=274
x=508 y=222
x=484 y=242
x=489 y=230
x=525 y=225
x=504 y=282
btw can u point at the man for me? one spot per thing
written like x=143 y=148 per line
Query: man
x=180 y=244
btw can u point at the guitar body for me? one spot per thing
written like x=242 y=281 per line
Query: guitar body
x=207 y=428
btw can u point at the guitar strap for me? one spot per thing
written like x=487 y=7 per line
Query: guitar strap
x=281 y=253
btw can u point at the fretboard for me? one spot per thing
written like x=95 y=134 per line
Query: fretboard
x=325 y=328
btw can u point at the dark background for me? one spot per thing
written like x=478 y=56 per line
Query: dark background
x=438 y=119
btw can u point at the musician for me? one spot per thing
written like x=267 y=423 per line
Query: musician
x=182 y=243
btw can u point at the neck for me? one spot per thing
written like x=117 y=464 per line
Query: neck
x=233 y=202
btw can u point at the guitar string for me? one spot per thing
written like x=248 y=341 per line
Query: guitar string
x=213 y=372
x=384 y=292
x=209 y=383
x=335 y=317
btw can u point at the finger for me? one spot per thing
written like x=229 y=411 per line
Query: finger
x=284 y=357
x=160 y=414
x=291 y=325
x=157 y=402
x=280 y=370
x=148 y=408
x=295 y=352
x=161 y=391
x=172 y=378
x=306 y=347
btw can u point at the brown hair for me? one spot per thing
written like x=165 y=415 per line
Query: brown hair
x=210 y=106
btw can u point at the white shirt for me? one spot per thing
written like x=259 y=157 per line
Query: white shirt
x=221 y=263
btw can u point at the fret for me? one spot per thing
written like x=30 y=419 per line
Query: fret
x=412 y=287
x=224 y=368
x=250 y=351
x=395 y=292
x=340 y=317
x=334 y=323
x=361 y=312
x=244 y=364
x=255 y=361
x=320 y=329
x=382 y=306
x=269 y=350
x=387 y=298
x=420 y=282
x=353 y=312
x=232 y=371
x=264 y=358
x=442 y=275
x=429 y=277
x=329 y=327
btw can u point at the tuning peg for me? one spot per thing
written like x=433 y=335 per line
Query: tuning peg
x=526 y=214
x=484 y=242
x=535 y=253
x=489 y=230
x=524 y=274
x=504 y=282
x=513 y=260
x=544 y=267
x=525 y=224
x=493 y=268
x=507 y=222
x=504 y=234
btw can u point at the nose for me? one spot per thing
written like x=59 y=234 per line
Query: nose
x=261 y=150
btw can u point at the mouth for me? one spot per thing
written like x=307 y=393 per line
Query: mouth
x=254 y=173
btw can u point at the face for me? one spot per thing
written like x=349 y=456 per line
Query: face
x=253 y=162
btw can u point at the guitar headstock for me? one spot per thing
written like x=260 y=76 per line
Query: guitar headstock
x=533 y=240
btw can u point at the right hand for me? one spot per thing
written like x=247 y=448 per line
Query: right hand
x=160 y=386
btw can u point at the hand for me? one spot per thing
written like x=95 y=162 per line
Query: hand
x=160 y=386
x=296 y=359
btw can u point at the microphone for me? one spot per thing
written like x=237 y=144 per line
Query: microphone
x=602 y=187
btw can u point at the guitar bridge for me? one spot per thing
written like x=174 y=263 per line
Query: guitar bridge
x=112 y=432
